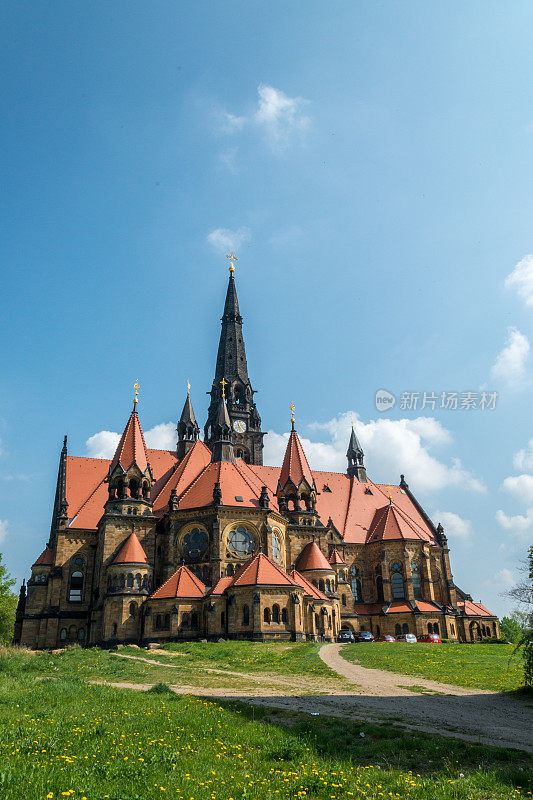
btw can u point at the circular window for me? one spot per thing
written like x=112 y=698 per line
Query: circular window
x=276 y=548
x=241 y=542
x=195 y=543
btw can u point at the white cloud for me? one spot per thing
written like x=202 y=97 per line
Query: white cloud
x=4 y=526
x=454 y=525
x=162 y=436
x=102 y=444
x=521 y=279
x=510 y=364
x=391 y=447
x=224 y=239
x=520 y=486
x=519 y=526
x=504 y=578
x=279 y=115
x=524 y=458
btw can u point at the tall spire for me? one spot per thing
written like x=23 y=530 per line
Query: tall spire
x=188 y=430
x=355 y=455
x=232 y=369
x=59 y=514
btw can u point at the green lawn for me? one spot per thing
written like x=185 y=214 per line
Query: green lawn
x=482 y=666
x=63 y=738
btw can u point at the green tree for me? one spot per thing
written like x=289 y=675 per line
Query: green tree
x=523 y=592
x=512 y=627
x=8 y=605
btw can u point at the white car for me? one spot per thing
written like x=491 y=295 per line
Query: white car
x=408 y=638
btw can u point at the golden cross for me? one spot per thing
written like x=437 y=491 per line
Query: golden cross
x=232 y=258
x=188 y=387
x=224 y=383
x=292 y=413
x=390 y=498
x=135 y=393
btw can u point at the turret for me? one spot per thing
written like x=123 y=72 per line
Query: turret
x=296 y=490
x=188 y=430
x=60 y=512
x=221 y=445
x=355 y=455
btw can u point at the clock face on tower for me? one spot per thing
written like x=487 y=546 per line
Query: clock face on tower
x=239 y=426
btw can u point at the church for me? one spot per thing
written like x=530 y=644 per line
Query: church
x=206 y=542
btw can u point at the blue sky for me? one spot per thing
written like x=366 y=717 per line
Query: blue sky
x=371 y=163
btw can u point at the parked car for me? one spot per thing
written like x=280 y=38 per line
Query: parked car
x=432 y=638
x=346 y=636
x=386 y=638
x=364 y=636
x=408 y=638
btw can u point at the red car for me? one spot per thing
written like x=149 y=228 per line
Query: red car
x=432 y=638
x=386 y=638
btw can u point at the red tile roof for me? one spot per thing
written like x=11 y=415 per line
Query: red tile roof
x=221 y=585
x=132 y=447
x=335 y=557
x=182 y=584
x=46 y=559
x=131 y=552
x=474 y=609
x=312 y=558
x=422 y=605
x=261 y=571
x=307 y=585
x=390 y=523
x=295 y=466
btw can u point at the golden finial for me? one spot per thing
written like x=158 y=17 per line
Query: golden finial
x=232 y=259
x=292 y=415
x=188 y=387
x=135 y=394
x=223 y=383
x=390 y=496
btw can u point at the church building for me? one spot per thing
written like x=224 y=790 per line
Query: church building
x=205 y=542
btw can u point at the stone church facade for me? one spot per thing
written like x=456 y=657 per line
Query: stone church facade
x=205 y=542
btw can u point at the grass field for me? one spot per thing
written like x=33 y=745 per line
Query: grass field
x=481 y=666
x=63 y=738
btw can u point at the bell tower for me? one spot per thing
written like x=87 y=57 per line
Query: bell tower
x=231 y=380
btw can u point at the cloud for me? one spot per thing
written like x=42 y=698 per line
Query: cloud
x=228 y=159
x=4 y=526
x=504 y=578
x=510 y=364
x=277 y=116
x=454 y=525
x=162 y=436
x=519 y=526
x=520 y=486
x=391 y=447
x=521 y=279
x=280 y=116
x=224 y=239
x=104 y=443
x=524 y=458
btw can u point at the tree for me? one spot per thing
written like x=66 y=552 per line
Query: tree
x=8 y=605
x=523 y=592
x=511 y=628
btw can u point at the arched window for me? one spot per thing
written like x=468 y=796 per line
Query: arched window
x=276 y=548
x=134 y=488
x=405 y=628
x=355 y=583
x=158 y=622
x=229 y=570
x=343 y=599
x=133 y=609
x=138 y=581
x=275 y=613
x=129 y=581
x=81 y=634
x=317 y=621
x=321 y=585
x=185 y=620
x=379 y=589
x=167 y=622
x=493 y=629
x=115 y=629
x=246 y=615
x=284 y=615
x=315 y=584
x=397 y=586
x=266 y=616
x=397 y=629
x=417 y=584
x=436 y=628
x=241 y=542
x=194 y=621
x=430 y=627
x=63 y=635
x=76 y=587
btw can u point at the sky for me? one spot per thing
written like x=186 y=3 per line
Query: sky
x=370 y=164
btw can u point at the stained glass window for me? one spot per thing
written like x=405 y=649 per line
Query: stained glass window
x=276 y=549
x=241 y=542
x=195 y=543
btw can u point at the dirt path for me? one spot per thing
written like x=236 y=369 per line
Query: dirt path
x=378 y=696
